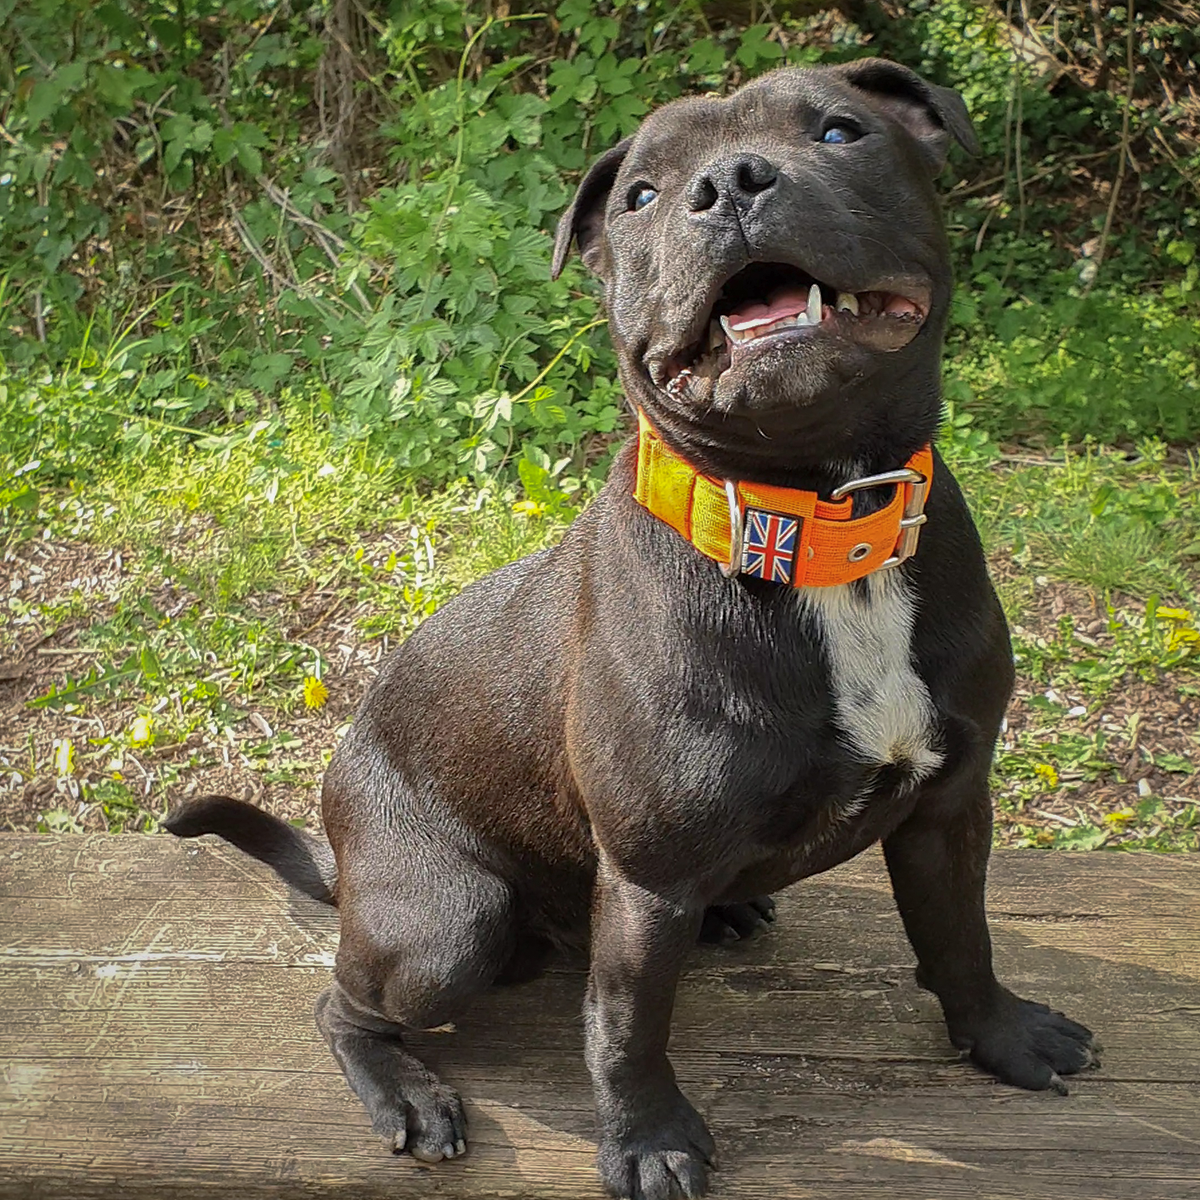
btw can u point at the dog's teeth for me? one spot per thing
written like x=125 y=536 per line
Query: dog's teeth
x=714 y=335
x=743 y=336
x=814 y=304
x=847 y=302
x=679 y=382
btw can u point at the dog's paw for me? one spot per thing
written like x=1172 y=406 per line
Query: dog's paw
x=425 y=1119
x=725 y=923
x=1026 y=1044
x=667 y=1162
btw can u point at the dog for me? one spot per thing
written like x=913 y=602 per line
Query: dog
x=769 y=642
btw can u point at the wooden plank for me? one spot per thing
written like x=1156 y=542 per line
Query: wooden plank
x=156 y=1038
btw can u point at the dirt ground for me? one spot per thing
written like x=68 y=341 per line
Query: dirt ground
x=1143 y=721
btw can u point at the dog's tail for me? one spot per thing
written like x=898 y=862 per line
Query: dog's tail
x=299 y=858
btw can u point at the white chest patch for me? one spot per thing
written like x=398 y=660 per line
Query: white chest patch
x=882 y=705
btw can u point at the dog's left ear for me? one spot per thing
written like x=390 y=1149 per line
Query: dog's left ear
x=930 y=113
x=583 y=222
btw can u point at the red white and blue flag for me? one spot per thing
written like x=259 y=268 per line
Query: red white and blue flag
x=769 y=545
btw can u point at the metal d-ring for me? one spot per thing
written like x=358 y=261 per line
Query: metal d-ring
x=733 y=567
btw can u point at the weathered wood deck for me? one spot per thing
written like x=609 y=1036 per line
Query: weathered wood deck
x=156 y=1038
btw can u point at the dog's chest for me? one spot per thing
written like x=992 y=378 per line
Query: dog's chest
x=882 y=707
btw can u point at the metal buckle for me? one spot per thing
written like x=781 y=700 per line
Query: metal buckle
x=733 y=567
x=914 y=510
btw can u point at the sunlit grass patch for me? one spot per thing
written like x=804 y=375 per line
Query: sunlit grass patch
x=225 y=581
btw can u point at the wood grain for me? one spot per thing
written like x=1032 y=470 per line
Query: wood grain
x=156 y=1039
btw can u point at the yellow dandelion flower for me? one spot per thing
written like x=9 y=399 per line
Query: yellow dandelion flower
x=1119 y=819
x=64 y=756
x=528 y=508
x=315 y=692
x=1182 y=636
x=1046 y=775
x=1172 y=614
x=141 y=732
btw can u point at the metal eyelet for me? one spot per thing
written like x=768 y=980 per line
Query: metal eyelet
x=859 y=552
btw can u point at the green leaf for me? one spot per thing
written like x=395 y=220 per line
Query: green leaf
x=148 y=661
x=249 y=159
x=1175 y=763
x=706 y=57
x=522 y=116
x=1082 y=837
x=755 y=47
x=48 y=93
x=27 y=499
x=1181 y=252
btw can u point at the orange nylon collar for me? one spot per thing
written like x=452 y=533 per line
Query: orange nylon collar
x=786 y=536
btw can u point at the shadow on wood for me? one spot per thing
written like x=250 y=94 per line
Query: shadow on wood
x=156 y=1038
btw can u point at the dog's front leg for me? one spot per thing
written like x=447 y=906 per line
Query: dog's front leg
x=938 y=863
x=653 y=1143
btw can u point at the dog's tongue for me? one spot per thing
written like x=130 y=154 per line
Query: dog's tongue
x=789 y=302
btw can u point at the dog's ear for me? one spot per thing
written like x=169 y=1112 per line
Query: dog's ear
x=930 y=113
x=583 y=222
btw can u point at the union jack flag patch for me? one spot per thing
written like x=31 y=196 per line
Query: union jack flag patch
x=769 y=545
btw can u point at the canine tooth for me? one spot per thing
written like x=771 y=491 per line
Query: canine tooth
x=814 y=304
x=847 y=302
x=680 y=382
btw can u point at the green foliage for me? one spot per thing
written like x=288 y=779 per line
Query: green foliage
x=191 y=221
x=101 y=99
x=223 y=538
x=1045 y=340
x=1111 y=366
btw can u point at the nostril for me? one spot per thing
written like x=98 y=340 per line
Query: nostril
x=701 y=194
x=733 y=179
x=755 y=174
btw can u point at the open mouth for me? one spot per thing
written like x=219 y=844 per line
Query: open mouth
x=768 y=303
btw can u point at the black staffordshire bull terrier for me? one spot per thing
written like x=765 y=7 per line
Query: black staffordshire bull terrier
x=739 y=668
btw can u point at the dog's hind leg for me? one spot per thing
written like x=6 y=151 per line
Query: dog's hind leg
x=416 y=947
x=725 y=924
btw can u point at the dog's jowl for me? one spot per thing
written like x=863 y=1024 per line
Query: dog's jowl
x=769 y=643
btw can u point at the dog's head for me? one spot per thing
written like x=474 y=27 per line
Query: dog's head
x=775 y=269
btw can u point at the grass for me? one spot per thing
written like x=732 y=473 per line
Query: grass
x=167 y=610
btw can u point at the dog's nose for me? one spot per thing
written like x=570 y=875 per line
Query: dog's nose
x=739 y=179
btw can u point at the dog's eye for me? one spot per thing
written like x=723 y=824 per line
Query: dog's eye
x=839 y=135
x=640 y=195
